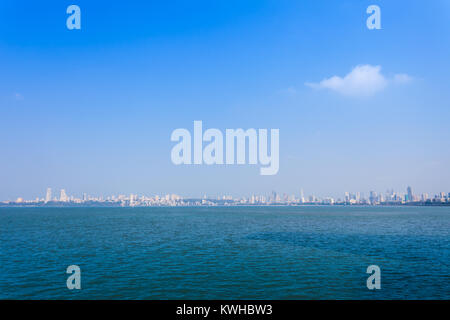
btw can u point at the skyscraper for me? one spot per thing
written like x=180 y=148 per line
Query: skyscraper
x=372 y=197
x=410 y=195
x=63 y=196
x=48 y=196
x=274 y=196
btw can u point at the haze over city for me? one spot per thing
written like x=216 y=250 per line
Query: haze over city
x=390 y=197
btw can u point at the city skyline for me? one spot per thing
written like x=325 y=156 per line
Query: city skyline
x=273 y=198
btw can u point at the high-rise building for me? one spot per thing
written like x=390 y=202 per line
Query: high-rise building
x=302 y=196
x=410 y=195
x=63 y=196
x=48 y=196
x=274 y=196
x=373 y=197
x=132 y=199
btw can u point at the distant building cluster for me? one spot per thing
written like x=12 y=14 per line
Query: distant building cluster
x=121 y=200
x=133 y=200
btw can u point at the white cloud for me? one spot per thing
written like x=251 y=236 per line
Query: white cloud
x=363 y=80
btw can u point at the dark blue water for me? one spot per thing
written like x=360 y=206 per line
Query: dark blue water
x=225 y=253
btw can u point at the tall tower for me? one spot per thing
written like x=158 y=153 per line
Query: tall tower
x=410 y=195
x=274 y=196
x=63 y=196
x=48 y=196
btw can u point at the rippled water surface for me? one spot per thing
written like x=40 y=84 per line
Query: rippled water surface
x=225 y=253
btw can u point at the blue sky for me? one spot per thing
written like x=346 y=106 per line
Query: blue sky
x=92 y=110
